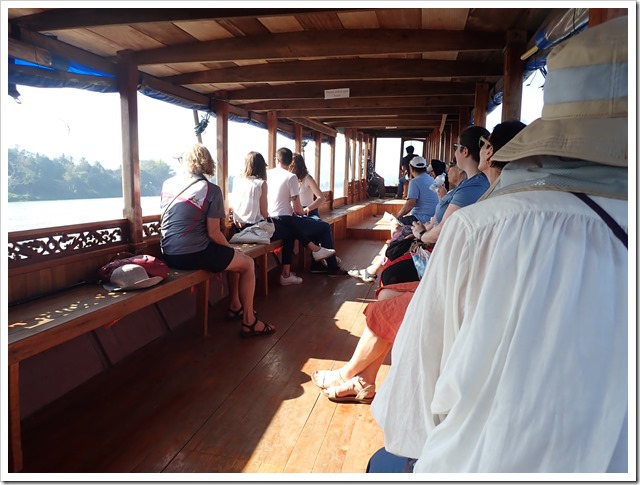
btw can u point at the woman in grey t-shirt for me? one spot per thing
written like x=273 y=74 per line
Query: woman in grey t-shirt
x=191 y=238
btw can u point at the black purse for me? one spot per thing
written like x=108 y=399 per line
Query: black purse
x=398 y=247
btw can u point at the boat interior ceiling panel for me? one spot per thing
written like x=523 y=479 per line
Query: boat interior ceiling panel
x=405 y=64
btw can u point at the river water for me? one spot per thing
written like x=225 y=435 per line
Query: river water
x=51 y=213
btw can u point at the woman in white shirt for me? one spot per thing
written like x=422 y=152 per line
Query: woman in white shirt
x=248 y=203
x=308 y=187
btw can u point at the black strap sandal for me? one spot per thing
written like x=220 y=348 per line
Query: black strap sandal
x=234 y=314
x=267 y=330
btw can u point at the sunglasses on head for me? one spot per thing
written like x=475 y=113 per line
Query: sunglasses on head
x=483 y=141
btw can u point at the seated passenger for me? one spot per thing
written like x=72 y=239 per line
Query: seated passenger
x=499 y=137
x=421 y=200
x=521 y=365
x=308 y=187
x=248 y=203
x=192 y=208
x=383 y=318
x=467 y=157
x=285 y=209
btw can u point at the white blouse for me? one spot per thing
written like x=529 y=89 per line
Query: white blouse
x=245 y=200
x=512 y=356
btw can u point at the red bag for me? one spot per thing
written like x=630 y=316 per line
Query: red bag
x=152 y=265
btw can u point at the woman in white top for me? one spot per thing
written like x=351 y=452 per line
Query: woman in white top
x=308 y=187
x=248 y=203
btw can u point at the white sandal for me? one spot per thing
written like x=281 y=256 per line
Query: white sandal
x=364 y=392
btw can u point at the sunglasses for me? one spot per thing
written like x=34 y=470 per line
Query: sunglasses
x=451 y=164
x=483 y=141
x=457 y=146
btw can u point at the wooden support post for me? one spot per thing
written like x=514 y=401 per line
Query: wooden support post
x=513 y=72
x=601 y=15
x=332 y=169
x=318 y=156
x=360 y=168
x=272 y=127
x=480 y=106
x=128 y=88
x=196 y=119
x=15 y=433
x=297 y=131
x=347 y=147
x=222 y=147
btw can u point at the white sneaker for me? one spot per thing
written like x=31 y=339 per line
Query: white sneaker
x=323 y=253
x=362 y=274
x=293 y=279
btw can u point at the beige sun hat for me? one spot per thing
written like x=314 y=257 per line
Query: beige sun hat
x=585 y=101
x=130 y=277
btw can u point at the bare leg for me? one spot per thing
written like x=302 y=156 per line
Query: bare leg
x=233 y=279
x=367 y=358
x=244 y=266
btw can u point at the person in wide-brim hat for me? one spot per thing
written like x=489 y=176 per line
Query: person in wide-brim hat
x=513 y=354
x=585 y=102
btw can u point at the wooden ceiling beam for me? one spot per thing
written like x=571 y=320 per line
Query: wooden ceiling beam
x=357 y=89
x=382 y=123
x=340 y=69
x=365 y=112
x=360 y=103
x=332 y=43
x=315 y=126
x=75 y=18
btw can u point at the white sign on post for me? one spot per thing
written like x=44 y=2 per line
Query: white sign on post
x=336 y=93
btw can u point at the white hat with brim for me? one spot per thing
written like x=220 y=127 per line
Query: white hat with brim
x=585 y=113
x=130 y=277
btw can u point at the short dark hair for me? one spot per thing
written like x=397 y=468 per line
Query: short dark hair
x=469 y=139
x=410 y=149
x=501 y=135
x=438 y=166
x=284 y=156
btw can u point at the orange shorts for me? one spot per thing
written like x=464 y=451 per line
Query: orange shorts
x=385 y=317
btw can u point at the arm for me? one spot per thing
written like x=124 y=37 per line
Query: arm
x=408 y=205
x=317 y=192
x=431 y=236
x=264 y=210
x=297 y=206
x=214 y=232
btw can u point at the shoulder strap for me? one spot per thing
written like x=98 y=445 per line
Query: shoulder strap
x=613 y=225
x=178 y=195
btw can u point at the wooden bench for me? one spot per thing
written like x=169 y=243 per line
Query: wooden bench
x=46 y=322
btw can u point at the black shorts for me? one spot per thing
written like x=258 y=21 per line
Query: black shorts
x=214 y=258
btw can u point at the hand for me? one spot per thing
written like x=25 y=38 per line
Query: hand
x=442 y=191
x=417 y=228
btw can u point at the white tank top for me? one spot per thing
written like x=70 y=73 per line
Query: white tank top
x=245 y=200
x=306 y=194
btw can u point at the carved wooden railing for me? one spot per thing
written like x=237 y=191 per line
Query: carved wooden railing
x=35 y=246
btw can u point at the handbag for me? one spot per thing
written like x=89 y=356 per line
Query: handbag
x=152 y=265
x=420 y=257
x=253 y=234
x=397 y=248
x=267 y=225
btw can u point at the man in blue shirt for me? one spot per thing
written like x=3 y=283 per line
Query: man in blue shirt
x=421 y=201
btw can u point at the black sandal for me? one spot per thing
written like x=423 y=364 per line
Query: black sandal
x=267 y=330
x=234 y=314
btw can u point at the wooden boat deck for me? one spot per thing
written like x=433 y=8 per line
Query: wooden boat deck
x=187 y=403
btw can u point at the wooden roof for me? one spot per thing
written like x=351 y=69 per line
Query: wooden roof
x=404 y=67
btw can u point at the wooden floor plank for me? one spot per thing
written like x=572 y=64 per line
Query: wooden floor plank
x=222 y=404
